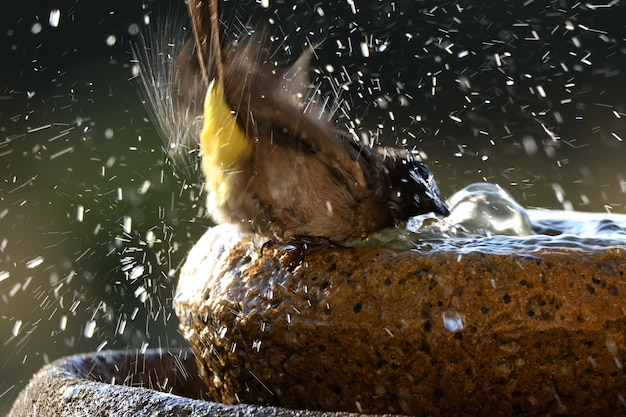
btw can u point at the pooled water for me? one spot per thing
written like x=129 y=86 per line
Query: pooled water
x=486 y=218
x=495 y=214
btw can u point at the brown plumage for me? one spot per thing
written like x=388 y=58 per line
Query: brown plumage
x=303 y=179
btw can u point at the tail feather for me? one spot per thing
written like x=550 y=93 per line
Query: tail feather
x=172 y=90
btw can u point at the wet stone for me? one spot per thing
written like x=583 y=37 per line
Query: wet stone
x=128 y=383
x=407 y=332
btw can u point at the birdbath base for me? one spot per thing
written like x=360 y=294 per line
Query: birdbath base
x=127 y=383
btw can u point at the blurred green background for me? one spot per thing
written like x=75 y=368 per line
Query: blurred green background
x=94 y=221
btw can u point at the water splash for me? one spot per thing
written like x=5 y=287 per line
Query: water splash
x=486 y=209
x=485 y=218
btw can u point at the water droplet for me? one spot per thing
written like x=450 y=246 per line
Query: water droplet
x=36 y=28
x=90 y=328
x=453 y=321
x=55 y=16
x=136 y=272
x=16 y=327
x=128 y=223
x=121 y=326
x=365 y=50
x=150 y=238
x=222 y=332
x=541 y=91
x=34 y=263
x=455 y=118
x=141 y=294
x=144 y=187
x=133 y=29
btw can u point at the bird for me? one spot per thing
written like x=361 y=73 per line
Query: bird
x=274 y=167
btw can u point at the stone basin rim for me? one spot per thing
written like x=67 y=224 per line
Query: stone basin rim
x=81 y=385
x=494 y=314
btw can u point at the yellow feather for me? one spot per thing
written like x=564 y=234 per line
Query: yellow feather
x=223 y=144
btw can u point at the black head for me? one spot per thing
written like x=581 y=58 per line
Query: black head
x=412 y=187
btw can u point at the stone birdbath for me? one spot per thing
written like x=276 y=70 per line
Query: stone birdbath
x=465 y=331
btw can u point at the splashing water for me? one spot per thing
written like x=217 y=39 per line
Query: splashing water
x=94 y=223
x=485 y=218
x=486 y=209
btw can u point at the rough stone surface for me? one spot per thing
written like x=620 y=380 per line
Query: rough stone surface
x=126 y=383
x=384 y=331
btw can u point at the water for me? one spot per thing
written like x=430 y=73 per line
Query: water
x=485 y=209
x=486 y=218
x=88 y=205
x=453 y=321
x=94 y=222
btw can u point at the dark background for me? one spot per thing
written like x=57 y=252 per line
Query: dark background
x=527 y=96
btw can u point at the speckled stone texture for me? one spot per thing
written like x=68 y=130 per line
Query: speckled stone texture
x=130 y=384
x=384 y=331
